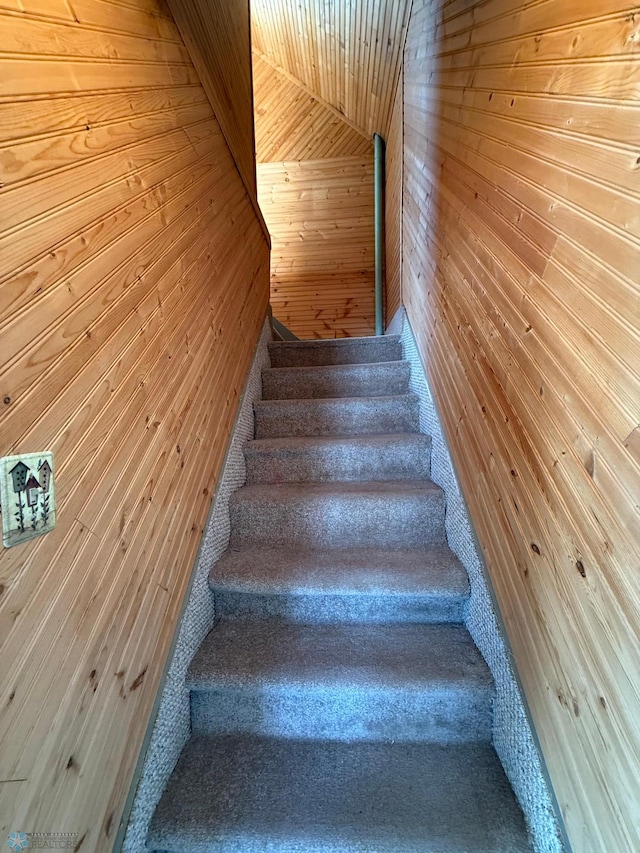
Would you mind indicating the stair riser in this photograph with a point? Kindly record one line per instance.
(372, 380)
(359, 608)
(341, 417)
(318, 353)
(339, 521)
(409, 461)
(430, 715)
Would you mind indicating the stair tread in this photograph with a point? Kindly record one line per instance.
(338, 369)
(365, 340)
(249, 794)
(305, 442)
(347, 570)
(338, 514)
(330, 458)
(332, 401)
(272, 652)
(378, 378)
(365, 489)
(335, 351)
(396, 413)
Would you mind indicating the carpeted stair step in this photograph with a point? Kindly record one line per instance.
(336, 416)
(327, 458)
(341, 682)
(375, 585)
(386, 378)
(399, 514)
(247, 794)
(335, 351)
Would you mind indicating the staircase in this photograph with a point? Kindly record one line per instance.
(339, 705)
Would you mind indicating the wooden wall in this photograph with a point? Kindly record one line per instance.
(520, 276)
(347, 54)
(218, 35)
(320, 215)
(315, 188)
(294, 124)
(133, 283)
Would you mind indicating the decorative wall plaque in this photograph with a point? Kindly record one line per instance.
(27, 496)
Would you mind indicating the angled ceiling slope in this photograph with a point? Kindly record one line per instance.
(347, 52)
(291, 124)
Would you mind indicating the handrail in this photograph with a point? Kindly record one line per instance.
(378, 160)
(281, 332)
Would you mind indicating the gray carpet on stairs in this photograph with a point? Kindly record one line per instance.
(395, 514)
(336, 351)
(342, 682)
(341, 584)
(343, 380)
(337, 416)
(339, 705)
(331, 458)
(243, 794)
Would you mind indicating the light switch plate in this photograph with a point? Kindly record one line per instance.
(27, 496)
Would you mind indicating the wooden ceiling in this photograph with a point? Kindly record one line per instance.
(346, 53)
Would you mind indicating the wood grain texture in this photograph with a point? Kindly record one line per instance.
(393, 207)
(320, 216)
(293, 124)
(315, 187)
(217, 35)
(133, 282)
(347, 54)
(521, 240)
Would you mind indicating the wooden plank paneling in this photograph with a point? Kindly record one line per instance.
(293, 124)
(315, 187)
(347, 54)
(393, 208)
(520, 277)
(217, 34)
(320, 216)
(134, 280)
